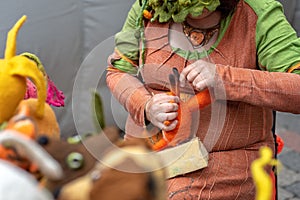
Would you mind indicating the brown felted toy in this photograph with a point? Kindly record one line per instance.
(105, 167)
(127, 171)
(132, 176)
(76, 159)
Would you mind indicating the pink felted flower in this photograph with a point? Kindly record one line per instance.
(55, 97)
(31, 90)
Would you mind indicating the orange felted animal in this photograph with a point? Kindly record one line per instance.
(26, 123)
(45, 125)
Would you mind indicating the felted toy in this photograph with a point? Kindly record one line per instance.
(31, 117)
(55, 97)
(74, 155)
(22, 122)
(46, 125)
(16, 183)
(78, 154)
(32, 151)
(14, 71)
(182, 130)
(264, 182)
(130, 171)
(26, 123)
(84, 158)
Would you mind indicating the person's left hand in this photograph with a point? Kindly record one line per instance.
(200, 75)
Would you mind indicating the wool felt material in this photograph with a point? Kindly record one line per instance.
(55, 97)
(268, 47)
(26, 123)
(251, 94)
(165, 11)
(14, 71)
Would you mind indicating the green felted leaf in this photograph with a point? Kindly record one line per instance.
(213, 5)
(196, 10)
(180, 17)
(162, 14)
(185, 2)
(177, 10)
(98, 111)
(36, 59)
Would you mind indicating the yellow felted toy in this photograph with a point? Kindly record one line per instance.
(263, 180)
(13, 73)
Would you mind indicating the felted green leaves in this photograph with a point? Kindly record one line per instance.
(177, 10)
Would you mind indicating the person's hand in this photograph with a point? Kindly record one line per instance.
(161, 108)
(200, 75)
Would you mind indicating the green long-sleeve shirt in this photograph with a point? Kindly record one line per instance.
(277, 44)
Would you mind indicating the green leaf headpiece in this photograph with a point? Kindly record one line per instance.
(177, 10)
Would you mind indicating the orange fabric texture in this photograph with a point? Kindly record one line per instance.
(251, 96)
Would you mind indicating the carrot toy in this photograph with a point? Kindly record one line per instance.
(184, 117)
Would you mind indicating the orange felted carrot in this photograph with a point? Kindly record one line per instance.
(168, 136)
(200, 100)
(184, 117)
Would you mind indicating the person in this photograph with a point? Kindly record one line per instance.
(244, 51)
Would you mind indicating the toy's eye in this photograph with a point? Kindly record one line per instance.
(75, 160)
(74, 139)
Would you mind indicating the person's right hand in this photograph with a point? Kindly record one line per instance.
(160, 108)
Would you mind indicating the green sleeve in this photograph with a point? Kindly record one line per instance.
(278, 47)
(127, 41)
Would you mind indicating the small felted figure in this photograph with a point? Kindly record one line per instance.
(33, 151)
(127, 171)
(14, 71)
(26, 123)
